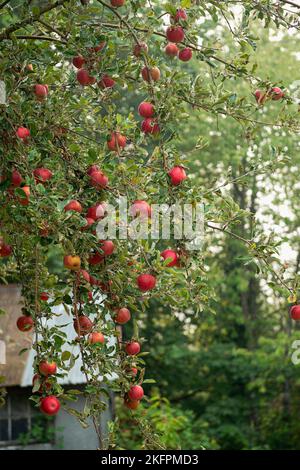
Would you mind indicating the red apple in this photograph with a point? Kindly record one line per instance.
(96, 258)
(25, 323)
(173, 257)
(175, 34)
(50, 405)
(83, 77)
(117, 3)
(140, 49)
(185, 54)
(133, 348)
(150, 126)
(16, 178)
(24, 201)
(277, 93)
(85, 275)
(83, 326)
(78, 61)
(136, 393)
(47, 368)
(295, 312)
(23, 133)
(146, 109)
(123, 316)
(133, 371)
(41, 91)
(96, 337)
(140, 208)
(99, 180)
(72, 262)
(42, 174)
(5, 250)
(146, 282)
(117, 141)
(96, 212)
(44, 296)
(89, 223)
(132, 405)
(106, 82)
(73, 206)
(180, 15)
(177, 175)
(171, 49)
(152, 73)
(108, 247)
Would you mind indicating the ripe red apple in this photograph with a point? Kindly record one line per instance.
(83, 77)
(106, 82)
(73, 206)
(177, 175)
(41, 91)
(172, 255)
(72, 262)
(146, 109)
(23, 133)
(5, 250)
(42, 174)
(78, 61)
(295, 312)
(83, 326)
(47, 368)
(123, 316)
(139, 49)
(277, 93)
(89, 223)
(44, 296)
(185, 54)
(99, 180)
(132, 348)
(132, 405)
(96, 258)
(16, 178)
(133, 371)
(96, 212)
(50, 405)
(117, 141)
(140, 208)
(171, 49)
(152, 73)
(146, 282)
(150, 126)
(175, 34)
(96, 337)
(25, 323)
(117, 3)
(108, 247)
(24, 201)
(136, 393)
(85, 275)
(180, 15)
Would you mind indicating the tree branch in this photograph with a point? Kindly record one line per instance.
(42, 38)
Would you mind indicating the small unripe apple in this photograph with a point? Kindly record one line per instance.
(41, 91)
(47, 368)
(295, 312)
(140, 208)
(152, 73)
(146, 282)
(5, 250)
(16, 178)
(23, 133)
(42, 174)
(123, 316)
(24, 201)
(175, 34)
(106, 82)
(96, 337)
(136, 392)
(139, 49)
(117, 3)
(44, 296)
(108, 247)
(50, 405)
(185, 54)
(73, 206)
(174, 259)
(146, 109)
(171, 49)
(83, 326)
(133, 348)
(150, 126)
(78, 61)
(83, 77)
(177, 175)
(72, 262)
(117, 141)
(132, 405)
(277, 93)
(99, 180)
(25, 323)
